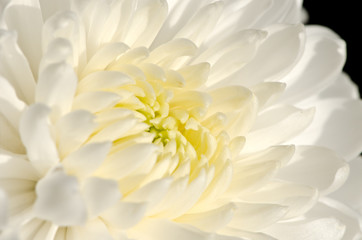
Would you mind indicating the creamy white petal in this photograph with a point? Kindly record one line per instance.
(145, 22)
(3, 210)
(103, 57)
(50, 7)
(59, 199)
(99, 195)
(95, 101)
(37, 138)
(93, 230)
(331, 208)
(350, 194)
(200, 25)
(322, 62)
(167, 53)
(255, 217)
(86, 159)
(162, 229)
(298, 198)
(73, 130)
(311, 229)
(317, 167)
(16, 167)
(210, 221)
(277, 54)
(336, 117)
(125, 214)
(103, 80)
(277, 125)
(152, 193)
(67, 25)
(56, 88)
(25, 18)
(9, 137)
(127, 160)
(268, 93)
(10, 105)
(15, 67)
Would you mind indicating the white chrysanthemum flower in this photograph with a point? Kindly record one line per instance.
(173, 120)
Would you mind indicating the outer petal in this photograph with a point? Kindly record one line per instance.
(56, 88)
(316, 167)
(25, 18)
(59, 200)
(334, 127)
(100, 194)
(36, 136)
(15, 67)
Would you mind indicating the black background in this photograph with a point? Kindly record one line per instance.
(344, 18)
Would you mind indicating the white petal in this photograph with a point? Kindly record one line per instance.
(278, 125)
(99, 195)
(162, 229)
(188, 198)
(330, 208)
(15, 167)
(152, 193)
(66, 25)
(73, 130)
(86, 159)
(36, 136)
(146, 22)
(254, 217)
(277, 54)
(334, 120)
(298, 198)
(25, 18)
(59, 51)
(210, 221)
(231, 54)
(96, 101)
(342, 87)
(202, 23)
(267, 93)
(125, 214)
(322, 62)
(50, 7)
(3, 209)
(280, 11)
(104, 56)
(59, 199)
(10, 105)
(56, 87)
(92, 230)
(9, 137)
(350, 194)
(166, 54)
(311, 229)
(127, 160)
(103, 80)
(325, 170)
(15, 67)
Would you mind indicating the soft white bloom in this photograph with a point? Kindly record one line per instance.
(173, 120)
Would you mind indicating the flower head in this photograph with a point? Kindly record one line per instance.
(169, 120)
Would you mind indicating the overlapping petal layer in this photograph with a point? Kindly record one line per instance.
(156, 119)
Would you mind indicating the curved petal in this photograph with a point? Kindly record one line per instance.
(59, 199)
(25, 18)
(325, 170)
(37, 138)
(99, 195)
(15, 67)
(335, 119)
